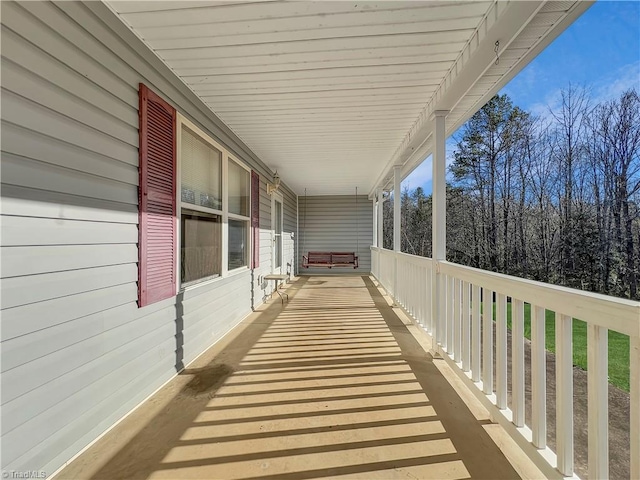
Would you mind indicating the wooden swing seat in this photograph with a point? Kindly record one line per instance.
(330, 259)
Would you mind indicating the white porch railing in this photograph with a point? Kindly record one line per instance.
(466, 341)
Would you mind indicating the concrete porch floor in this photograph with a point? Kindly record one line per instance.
(336, 383)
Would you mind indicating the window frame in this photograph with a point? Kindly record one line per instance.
(224, 212)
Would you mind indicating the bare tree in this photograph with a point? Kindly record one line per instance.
(554, 200)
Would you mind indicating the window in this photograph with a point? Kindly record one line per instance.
(214, 194)
(238, 188)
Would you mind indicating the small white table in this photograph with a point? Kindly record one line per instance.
(277, 278)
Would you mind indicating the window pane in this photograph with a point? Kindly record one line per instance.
(238, 189)
(237, 243)
(201, 242)
(201, 171)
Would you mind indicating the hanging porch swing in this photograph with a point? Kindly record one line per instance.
(329, 259)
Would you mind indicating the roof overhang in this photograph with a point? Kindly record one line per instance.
(335, 94)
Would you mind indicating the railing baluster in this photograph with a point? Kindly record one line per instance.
(427, 302)
(399, 292)
(421, 288)
(564, 394)
(538, 378)
(457, 327)
(418, 288)
(410, 289)
(598, 401)
(407, 287)
(450, 300)
(501, 351)
(436, 305)
(417, 299)
(424, 313)
(466, 328)
(432, 318)
(424, 297)
(406, 292)
(517, 361)
(634, 417)
(487, 341)
(402, 290)
(475, 334)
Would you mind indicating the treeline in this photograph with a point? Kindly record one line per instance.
(554, 199)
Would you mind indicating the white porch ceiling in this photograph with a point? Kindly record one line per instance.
(333, 94)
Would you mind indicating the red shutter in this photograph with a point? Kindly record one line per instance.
(157, 199)
(255, 219)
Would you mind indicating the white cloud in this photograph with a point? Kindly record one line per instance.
(609, 87)
(617, 83)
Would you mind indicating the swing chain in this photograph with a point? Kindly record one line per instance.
(357, 230)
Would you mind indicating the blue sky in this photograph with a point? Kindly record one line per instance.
(600, 50)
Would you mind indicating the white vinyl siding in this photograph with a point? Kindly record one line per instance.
(77, 352)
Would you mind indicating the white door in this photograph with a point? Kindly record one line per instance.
(276, 234)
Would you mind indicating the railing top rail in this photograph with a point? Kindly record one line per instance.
(617, 314)
(408, 256)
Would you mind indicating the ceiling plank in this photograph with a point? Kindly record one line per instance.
(202, 22)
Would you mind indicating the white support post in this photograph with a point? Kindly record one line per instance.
(538, 378)
(380, 236)
(501, 351)
(487, 341)
(564, 394)
(397, 203)
(517, 361)
(475, 334)
(598, 401)
(438, 231)
(375, 220)
(634, 417)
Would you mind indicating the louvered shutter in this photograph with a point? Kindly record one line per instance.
(157, 199)
(255, 219)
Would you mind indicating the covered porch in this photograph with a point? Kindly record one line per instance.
(376, 374)
(335, 383)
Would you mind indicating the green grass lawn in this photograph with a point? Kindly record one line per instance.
(618, 345)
